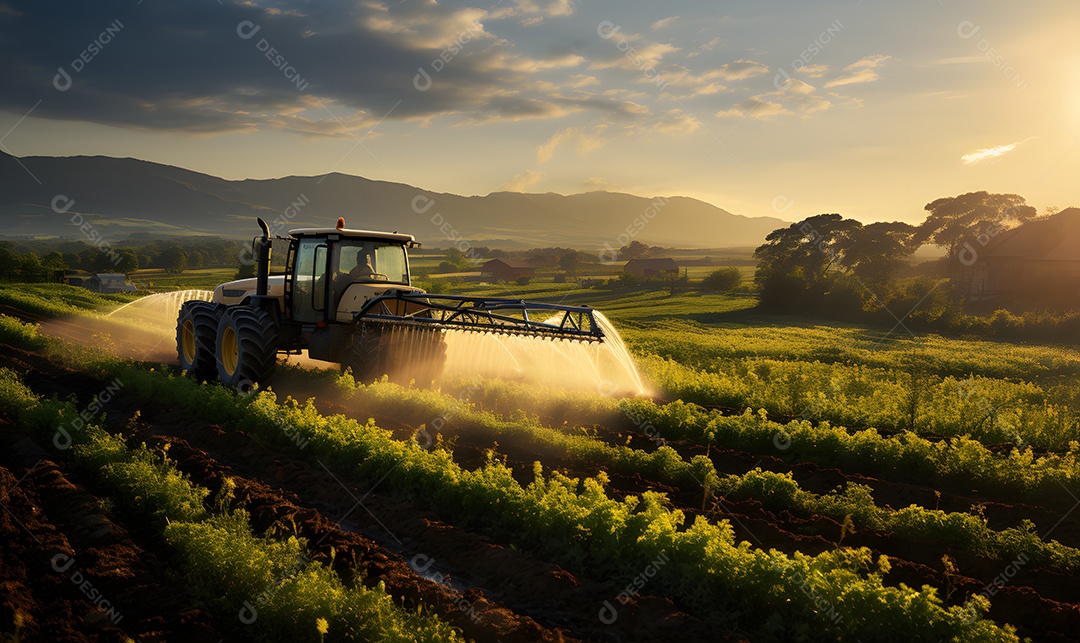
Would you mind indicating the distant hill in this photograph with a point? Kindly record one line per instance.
(128, 196)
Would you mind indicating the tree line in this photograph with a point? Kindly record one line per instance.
(48, 260)
(826, 263)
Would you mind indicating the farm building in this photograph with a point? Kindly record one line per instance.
(104, 282)
(1040, 260)
(507, 270)
(652, 267)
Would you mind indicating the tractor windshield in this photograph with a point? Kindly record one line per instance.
(368, 261)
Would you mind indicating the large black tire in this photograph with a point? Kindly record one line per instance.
(247, 343)
(403, 353)
(196, 336)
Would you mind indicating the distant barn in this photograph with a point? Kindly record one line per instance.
(105, 282)
(507, 270)
(652, 267)
(1038, 260)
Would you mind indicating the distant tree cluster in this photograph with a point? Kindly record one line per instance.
(722, 279)
(638, 250)
(827, 262)
(49, 260)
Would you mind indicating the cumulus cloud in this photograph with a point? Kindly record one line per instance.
(637, 56)
(209, 67)
(861, 71)
(546, 7)
(814, 71)
(676, 122)
(799, 99)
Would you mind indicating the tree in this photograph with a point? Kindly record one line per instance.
(127, 261)
(955, 223)
(722, 279)
(174, 258)
(30, 269)
(54, 264)
(874, 252)
(8, 263)
(634, 250)
(456, 259)
(572, 261)
(794, 262)
(964, 224)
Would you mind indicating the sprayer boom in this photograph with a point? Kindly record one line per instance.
(484, 314)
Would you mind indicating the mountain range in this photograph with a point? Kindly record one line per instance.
(119, 197)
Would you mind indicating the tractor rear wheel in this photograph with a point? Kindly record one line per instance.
(247, 343)
(196, 336)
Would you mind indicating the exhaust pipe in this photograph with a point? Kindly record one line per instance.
(262, 265)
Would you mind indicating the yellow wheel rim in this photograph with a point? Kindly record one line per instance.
(187, 341)
(230, 352)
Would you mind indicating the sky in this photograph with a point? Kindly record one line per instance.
(774, 108)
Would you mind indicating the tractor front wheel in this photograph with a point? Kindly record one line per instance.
(196, 336)
(247, 343)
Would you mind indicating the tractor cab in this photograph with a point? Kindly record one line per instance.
(332, 272)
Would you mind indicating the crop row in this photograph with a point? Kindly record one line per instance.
(272, 585)
(968, 531)
(774, 594)
(777, 491)
(961, 460)
(994, 411)
(700, 346)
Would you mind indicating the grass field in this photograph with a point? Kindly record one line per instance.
(786, 479)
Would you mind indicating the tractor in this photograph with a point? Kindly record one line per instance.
(346, 296)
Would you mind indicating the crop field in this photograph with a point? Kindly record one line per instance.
(777, 480)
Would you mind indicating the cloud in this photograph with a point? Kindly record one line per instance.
(420, 24)
(800, 98)
(546, 7)
(814, 71)
(988, 153)
(594, 183)
(297, 67)
(676, 122)
(709, 82)
(522, 182)
(663, 23)
(584, 141)
(636, 57)
(861, 71)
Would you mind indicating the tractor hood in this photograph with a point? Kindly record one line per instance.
(234, 292)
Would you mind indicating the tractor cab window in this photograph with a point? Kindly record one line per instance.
(309, 281)
(370, 261)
